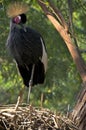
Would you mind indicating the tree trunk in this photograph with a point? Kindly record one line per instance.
(79, 112)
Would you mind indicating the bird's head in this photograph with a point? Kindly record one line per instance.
(16, 11)
(19, 19)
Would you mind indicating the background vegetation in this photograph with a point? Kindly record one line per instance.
(62, 82)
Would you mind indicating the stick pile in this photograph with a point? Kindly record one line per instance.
(31, 118)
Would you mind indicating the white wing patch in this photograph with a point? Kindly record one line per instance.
(44, 56)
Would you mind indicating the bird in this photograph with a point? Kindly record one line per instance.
(26, 46)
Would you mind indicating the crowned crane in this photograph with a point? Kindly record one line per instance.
(26, 46)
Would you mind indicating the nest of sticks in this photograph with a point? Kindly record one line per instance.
(27, 117)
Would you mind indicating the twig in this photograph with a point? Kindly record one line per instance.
(5, 125)
(17, 104)
(55, 122)
(42, 96)
(19, 100)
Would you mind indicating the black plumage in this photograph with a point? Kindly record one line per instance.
(27, 48)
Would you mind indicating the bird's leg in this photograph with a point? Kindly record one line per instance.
(19, 100)
(30, 83)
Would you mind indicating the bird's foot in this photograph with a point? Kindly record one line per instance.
(30, 84)
(29, 91)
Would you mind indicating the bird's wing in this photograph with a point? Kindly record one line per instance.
(35, 42)
(31, 45)
(44, 54)
(38, 74)
(25, 72)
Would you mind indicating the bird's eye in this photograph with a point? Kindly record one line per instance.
(17, 19)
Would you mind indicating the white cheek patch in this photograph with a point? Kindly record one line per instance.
(44, 56)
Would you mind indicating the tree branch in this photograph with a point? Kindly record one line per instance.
(74, 51)
(71, 21)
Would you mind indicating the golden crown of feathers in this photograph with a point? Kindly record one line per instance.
(16, 8)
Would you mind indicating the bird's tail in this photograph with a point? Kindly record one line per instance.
(39, 73)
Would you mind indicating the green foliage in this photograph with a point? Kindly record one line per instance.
(62, 80)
